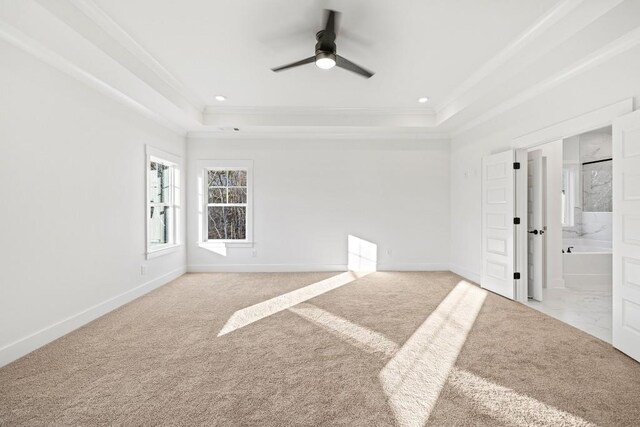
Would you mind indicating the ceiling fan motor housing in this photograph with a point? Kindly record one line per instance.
(326, 45)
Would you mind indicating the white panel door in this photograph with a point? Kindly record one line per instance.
(626, 234)
(535, 232)
(497, 224)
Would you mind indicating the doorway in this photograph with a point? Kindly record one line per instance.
(570, 230)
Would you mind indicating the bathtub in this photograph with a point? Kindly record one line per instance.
(589, 265)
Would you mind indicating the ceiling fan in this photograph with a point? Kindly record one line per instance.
(326, 56)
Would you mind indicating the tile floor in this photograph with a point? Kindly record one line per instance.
(589, 311)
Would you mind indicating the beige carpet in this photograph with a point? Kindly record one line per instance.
(367, 353)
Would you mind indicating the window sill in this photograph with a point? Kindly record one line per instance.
(225, 244)
(155, 253)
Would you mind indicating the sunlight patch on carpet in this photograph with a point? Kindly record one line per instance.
(414, 377)
(363, 338)
(259, 311)
(509, 406)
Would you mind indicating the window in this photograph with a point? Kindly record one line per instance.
(227, 202)
(227, 205)
(163, 198)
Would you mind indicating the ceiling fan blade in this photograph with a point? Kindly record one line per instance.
(331, 21)
(348, 65)
(295, 64)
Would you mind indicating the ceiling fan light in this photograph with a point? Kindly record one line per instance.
(325, 61)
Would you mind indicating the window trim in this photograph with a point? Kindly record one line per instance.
(206, 165)
(175, 163)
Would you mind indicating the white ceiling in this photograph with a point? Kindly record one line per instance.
(416, 47)
(475, 59)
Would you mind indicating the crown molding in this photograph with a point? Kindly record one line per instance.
(48, 56)
(611, 50)
(319, 133)
(499, 68)
(100, 18)
(92, 24)
(540, 26)
(427, 111)
(318, 117)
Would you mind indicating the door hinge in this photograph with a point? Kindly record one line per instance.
(516, 276)
(516, 165)
(516, 221)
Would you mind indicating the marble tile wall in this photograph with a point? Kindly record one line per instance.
(595, 146)
(597, 179)
(592, 215)
(590, 225)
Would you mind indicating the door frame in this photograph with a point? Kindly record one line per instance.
(592, 120)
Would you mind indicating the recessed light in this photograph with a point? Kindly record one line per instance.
(220, 98)
(423, 100)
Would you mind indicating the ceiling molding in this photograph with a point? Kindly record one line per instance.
(556, 13)
(212, 109)
(318, 117)
(48, 56)
(499, 67)
(320, 133)
(611, 50)
(117, 33)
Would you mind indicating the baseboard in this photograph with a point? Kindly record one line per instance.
(26, 345)
(418, 266)
(467, 274)
(263, 268)
(289, 268)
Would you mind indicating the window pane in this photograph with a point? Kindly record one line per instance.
(159, 183)
(217, 195)
(217, 178)
(237, 195)
(237, 178)
(227, 222)
(159, 219)
(236, 222)
(166, 184)
(216, 229)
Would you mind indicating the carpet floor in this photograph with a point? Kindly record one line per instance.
(389, 348)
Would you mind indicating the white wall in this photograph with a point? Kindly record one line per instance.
(311, 194)
(606, 84)
(73, 204)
